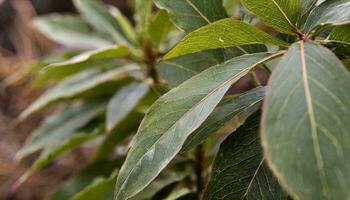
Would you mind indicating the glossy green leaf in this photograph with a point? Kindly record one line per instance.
(159, 28)
(173, 117)
(221, 34)
(224, 113)
(340, 34)
(164, 179)
(69, 30)
(98, 54)
(85, 177)
(330, 12)
(189, 15)
(306, 130)
(57, 148)
(239, 170)
(280, 14)
(123, 102)
(101, 189)
(60, 126)
(76, 85)
(100, 18)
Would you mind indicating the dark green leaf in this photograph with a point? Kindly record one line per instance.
(221, 34)
(306, 6)
(280, 14)
(123, 102)
(102, 20)
(330, 12)
(177, 70)
(224, 113)
(70, 31)
(173, 117)
(305, 130)
(239, 170)
(76, 85)
(60, 126)
(189, 15)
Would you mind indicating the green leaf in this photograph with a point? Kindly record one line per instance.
(221, 34)
(101, 189)
(57, 148)
(173, 117)
(103, 21)
(164, 179)
(178, 192)
(159, 28)
(143, 11)
(77, 85)
(98, 54)
(177, 70)
(124, 23)
(189, 15)
(340, 34)
(282, 15)
(239, 170)
(224, 113)
(306, 6)
(305, 130)
(85, 177)
(123, 102)
(330, 12)
(230, 6)
(60, 126)
(69, 30)
(121, 131)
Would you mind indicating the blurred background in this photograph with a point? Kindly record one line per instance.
(20, 46)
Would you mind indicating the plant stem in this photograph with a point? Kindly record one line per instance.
(198, 167)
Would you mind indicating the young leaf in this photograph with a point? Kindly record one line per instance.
(280, 14)
(340, 34)
(173, 117)
(239, 170)
(100, 18)
(60, 126)
(98, 54)
(189, 15)
(76, 85)
(223, 113)
(69, 30)
(143, 11)
(330, 12)
(123, 102)
(159, 28)
(305, 130)
(221, 34)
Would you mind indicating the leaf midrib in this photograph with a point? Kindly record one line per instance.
(312, 119)
(198, 11)
(284, 14)
(189, 111)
